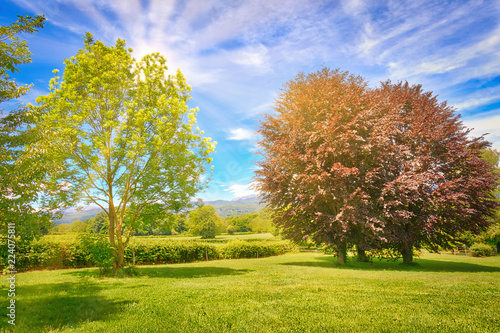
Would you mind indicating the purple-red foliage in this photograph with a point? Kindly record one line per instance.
(385, 167)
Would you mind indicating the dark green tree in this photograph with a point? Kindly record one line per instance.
(19, 181)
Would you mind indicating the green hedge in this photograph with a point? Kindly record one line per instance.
(86, 251)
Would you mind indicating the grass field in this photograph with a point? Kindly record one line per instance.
(303, 292)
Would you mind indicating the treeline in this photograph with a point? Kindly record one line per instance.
(203, 221)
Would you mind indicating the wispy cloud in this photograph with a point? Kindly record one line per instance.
(486, 125)
(241, 190)
(241, 134)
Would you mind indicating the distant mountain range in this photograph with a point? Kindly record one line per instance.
(236, 207)
(71, 215)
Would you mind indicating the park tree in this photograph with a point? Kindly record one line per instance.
(380, 168)
(316, 160)
(122, 136)
(20, 182)
(435, 184)
(204, 221)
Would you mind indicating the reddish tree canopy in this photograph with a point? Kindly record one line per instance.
(315, 159)
(391, 166)
(435, 184)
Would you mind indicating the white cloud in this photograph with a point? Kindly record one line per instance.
(475, 102)
(241, 134)
(490, 125)
(239, 190)
(254, 56)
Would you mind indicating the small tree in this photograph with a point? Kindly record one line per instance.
(122, 135)
(203, 221)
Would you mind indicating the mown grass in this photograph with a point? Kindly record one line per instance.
(303, 292)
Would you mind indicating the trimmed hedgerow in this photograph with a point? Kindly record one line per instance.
(94, 250)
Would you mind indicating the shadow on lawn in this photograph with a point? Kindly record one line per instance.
(189, 272)
(421, 265)
(47, 307)
(166, 271)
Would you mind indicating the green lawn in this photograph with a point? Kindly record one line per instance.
(302, 292)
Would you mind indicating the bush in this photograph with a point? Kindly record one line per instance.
(481, 250)
(98, 250)
(389, 254)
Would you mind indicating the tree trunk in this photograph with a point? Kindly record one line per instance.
(361, 254)
(407, 253)
(341, 253)
(119, 261)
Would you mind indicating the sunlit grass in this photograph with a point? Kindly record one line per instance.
(304, 292)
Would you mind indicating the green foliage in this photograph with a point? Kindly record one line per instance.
(19, 179)
(242, 223)
(121, 136)
(98, 249)
(94, 250)
(99, 224)
(14, 52)
(231, 229)
(481, 250)
(203, 221)
(389, 254)
(242, 249)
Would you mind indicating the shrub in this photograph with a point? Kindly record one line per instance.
(389, 254)
(481, 250)
(97, 250)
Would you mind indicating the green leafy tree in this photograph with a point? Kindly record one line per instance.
(203, 221)
(14, 52)
(153, 220)
(123, 136)
(79, 226)
(242, 223)
(264, 222)
(99, 224)
(19, 180)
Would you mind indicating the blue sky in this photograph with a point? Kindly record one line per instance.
(237, 54)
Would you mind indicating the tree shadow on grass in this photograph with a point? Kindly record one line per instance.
(47, 307)
(166, 271)
(421, 265)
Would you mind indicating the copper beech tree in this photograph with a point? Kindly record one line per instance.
(435, 183)
(389, 167)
